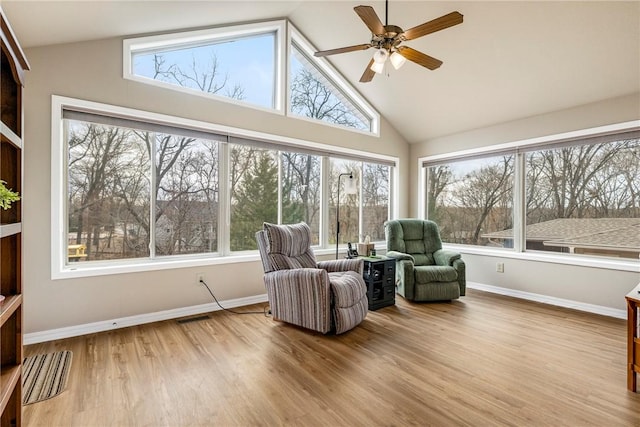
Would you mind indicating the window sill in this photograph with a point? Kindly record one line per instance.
(566, 259)
(142, 265)
(137, 266)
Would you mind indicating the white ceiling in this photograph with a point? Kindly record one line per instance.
(508, 60)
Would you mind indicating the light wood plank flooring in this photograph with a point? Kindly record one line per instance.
(484, 360)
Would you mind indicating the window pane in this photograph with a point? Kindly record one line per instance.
(471, 201)
(301, 191)
(254, 193)
(585, 199)
(375, 200)
(348, 203)
(186, 211)
(108, 192)
(242, 68)
(314, 96)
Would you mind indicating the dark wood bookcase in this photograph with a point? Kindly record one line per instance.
(13, 65)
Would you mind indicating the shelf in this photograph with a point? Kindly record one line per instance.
(7, 230)
(10, 304)
(11, 173)
(13, 66)
(10, 135)
(9, 378)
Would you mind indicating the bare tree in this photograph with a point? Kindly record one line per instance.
(577, 181)
(375, 199)
(301, 188)
(98, 157)
(439, 177)
(202, 76)
(476, 202)
(310, 97)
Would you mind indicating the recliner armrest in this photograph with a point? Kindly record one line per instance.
(399, 256)
(300, 296)
(445, 257)
(336, 265)
(284, 278)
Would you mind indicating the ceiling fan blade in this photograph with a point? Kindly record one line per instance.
(368, 74)
(446, 21)
(419, 57)
(342, 50)
(370, 18)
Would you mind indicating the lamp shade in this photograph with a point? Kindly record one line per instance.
(350, 186)
(397, 60)
(380, 56)
(377, 67)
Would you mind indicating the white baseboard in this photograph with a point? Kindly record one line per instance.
(582, 306)
(106, 325)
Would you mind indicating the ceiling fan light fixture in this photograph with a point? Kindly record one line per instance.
(380, 56)
(397, 60)
(378, 67)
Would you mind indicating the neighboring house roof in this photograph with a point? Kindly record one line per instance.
(604, 233)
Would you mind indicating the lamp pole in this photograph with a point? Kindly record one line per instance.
(350, 175)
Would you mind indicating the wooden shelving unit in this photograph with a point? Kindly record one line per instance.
(13, 65)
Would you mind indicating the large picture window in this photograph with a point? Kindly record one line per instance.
(376, 190)
(301, 181)
(254, 194)
(585, 199)
(140, 187)
(120, 204)
(108, 193)
(470, 199)
(579, 195)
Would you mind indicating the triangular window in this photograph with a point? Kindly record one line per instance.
(239, 63)
(318, 92)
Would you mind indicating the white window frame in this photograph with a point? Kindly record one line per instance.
(186, 38)
(286, 34)
(59, 218)
(518, 252)
(336, 78)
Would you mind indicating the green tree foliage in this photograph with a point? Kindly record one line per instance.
(256, 201)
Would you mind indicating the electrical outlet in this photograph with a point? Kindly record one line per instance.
(500, 267)
(199, 278)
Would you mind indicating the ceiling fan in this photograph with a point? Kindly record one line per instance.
(386, 39)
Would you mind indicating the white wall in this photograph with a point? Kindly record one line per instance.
(93, 71)
(588, 285)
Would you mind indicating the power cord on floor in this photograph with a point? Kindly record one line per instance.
(266, 310)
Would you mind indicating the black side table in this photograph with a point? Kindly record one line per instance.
(380, 276)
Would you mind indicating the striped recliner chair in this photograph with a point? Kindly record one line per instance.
(323, 296)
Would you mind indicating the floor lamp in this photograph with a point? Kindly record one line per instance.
(350, 188)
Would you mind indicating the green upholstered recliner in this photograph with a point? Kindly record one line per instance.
(424, 271)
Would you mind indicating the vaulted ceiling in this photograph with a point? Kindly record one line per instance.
(507, 61)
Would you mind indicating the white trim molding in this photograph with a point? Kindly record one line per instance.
(546, 299)
(193, 38)
(140, 319)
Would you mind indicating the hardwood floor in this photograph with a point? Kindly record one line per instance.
(484, 360)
